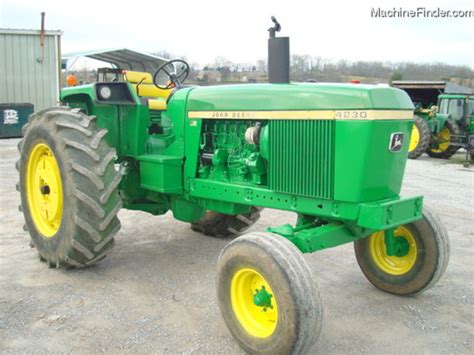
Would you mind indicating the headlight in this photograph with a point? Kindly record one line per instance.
(105, 92)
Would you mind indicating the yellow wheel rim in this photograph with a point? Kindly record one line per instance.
(258, 321)
(44, 190)
(414, 138)
(444, 136)
(393, 265)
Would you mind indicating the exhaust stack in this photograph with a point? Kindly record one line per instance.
(278, 56)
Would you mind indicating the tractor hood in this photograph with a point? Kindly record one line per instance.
(297, 97)
(319, 134)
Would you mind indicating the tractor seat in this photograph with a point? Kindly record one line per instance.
(156, 97)
(157, 104)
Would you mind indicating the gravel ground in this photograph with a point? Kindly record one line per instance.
(155, 292)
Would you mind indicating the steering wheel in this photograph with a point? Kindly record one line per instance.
(176, 72)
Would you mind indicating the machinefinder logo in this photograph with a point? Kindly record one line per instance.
(419, 12)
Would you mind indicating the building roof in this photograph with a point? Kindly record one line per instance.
(121, 58)
(445, 87)
(14, 31)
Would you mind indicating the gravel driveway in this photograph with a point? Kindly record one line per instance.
(155, 292)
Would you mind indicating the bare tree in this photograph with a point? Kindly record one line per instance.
(262, 65)
(163, 54)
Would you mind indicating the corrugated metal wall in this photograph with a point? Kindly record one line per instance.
(24, 78)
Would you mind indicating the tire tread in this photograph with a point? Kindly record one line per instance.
(91, 170)
(424, 141)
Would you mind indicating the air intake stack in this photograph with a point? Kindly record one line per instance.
(278, 56)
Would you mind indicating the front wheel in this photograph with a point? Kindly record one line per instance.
(267, 295)
(441, 146)
(421, 262)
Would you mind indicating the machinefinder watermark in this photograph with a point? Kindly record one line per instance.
(419, 12)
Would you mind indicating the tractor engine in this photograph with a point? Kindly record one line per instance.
(230, 151)
(327, 141)
(241, 151)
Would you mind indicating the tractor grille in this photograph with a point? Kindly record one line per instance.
(301, 157)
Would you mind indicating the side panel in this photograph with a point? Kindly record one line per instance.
(126, 122)
(365, 168)
(163, 172)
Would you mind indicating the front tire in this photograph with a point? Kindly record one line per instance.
(267, 295)
(421, 266)
(68, 187)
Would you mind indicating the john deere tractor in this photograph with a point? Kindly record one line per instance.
(334, 154)
(459, 129)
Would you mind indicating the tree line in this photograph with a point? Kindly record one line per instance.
(314, 68)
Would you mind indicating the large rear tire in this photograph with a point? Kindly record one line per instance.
(69, 188)
(219, 225)
(418, 268)
(267, 295)
(440, 145)
(419, 138)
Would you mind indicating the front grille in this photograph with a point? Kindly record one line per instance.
(301, 157)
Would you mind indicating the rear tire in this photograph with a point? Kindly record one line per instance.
(290, 321)
(440, 146)
(423, 265)
(83, 194)
(419, 138)
(219, 225)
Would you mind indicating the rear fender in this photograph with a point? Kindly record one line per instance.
(440, 120)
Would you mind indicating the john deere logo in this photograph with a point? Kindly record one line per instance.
(396, 142)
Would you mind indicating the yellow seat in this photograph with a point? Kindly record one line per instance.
(137, 76)
(147, 88)
(157, 104)
(150, 90)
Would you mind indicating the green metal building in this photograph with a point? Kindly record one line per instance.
(30, 68)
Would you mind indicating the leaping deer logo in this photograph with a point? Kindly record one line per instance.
(396, 142)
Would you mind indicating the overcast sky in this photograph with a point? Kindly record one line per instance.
(203, 29)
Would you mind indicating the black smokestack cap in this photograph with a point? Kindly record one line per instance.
(278, 56)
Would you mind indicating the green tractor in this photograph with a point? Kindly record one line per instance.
(444, 118)
(334, 154)
(459, 129)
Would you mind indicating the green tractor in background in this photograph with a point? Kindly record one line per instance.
(334, 154)
(444, 118)
(460, 110)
